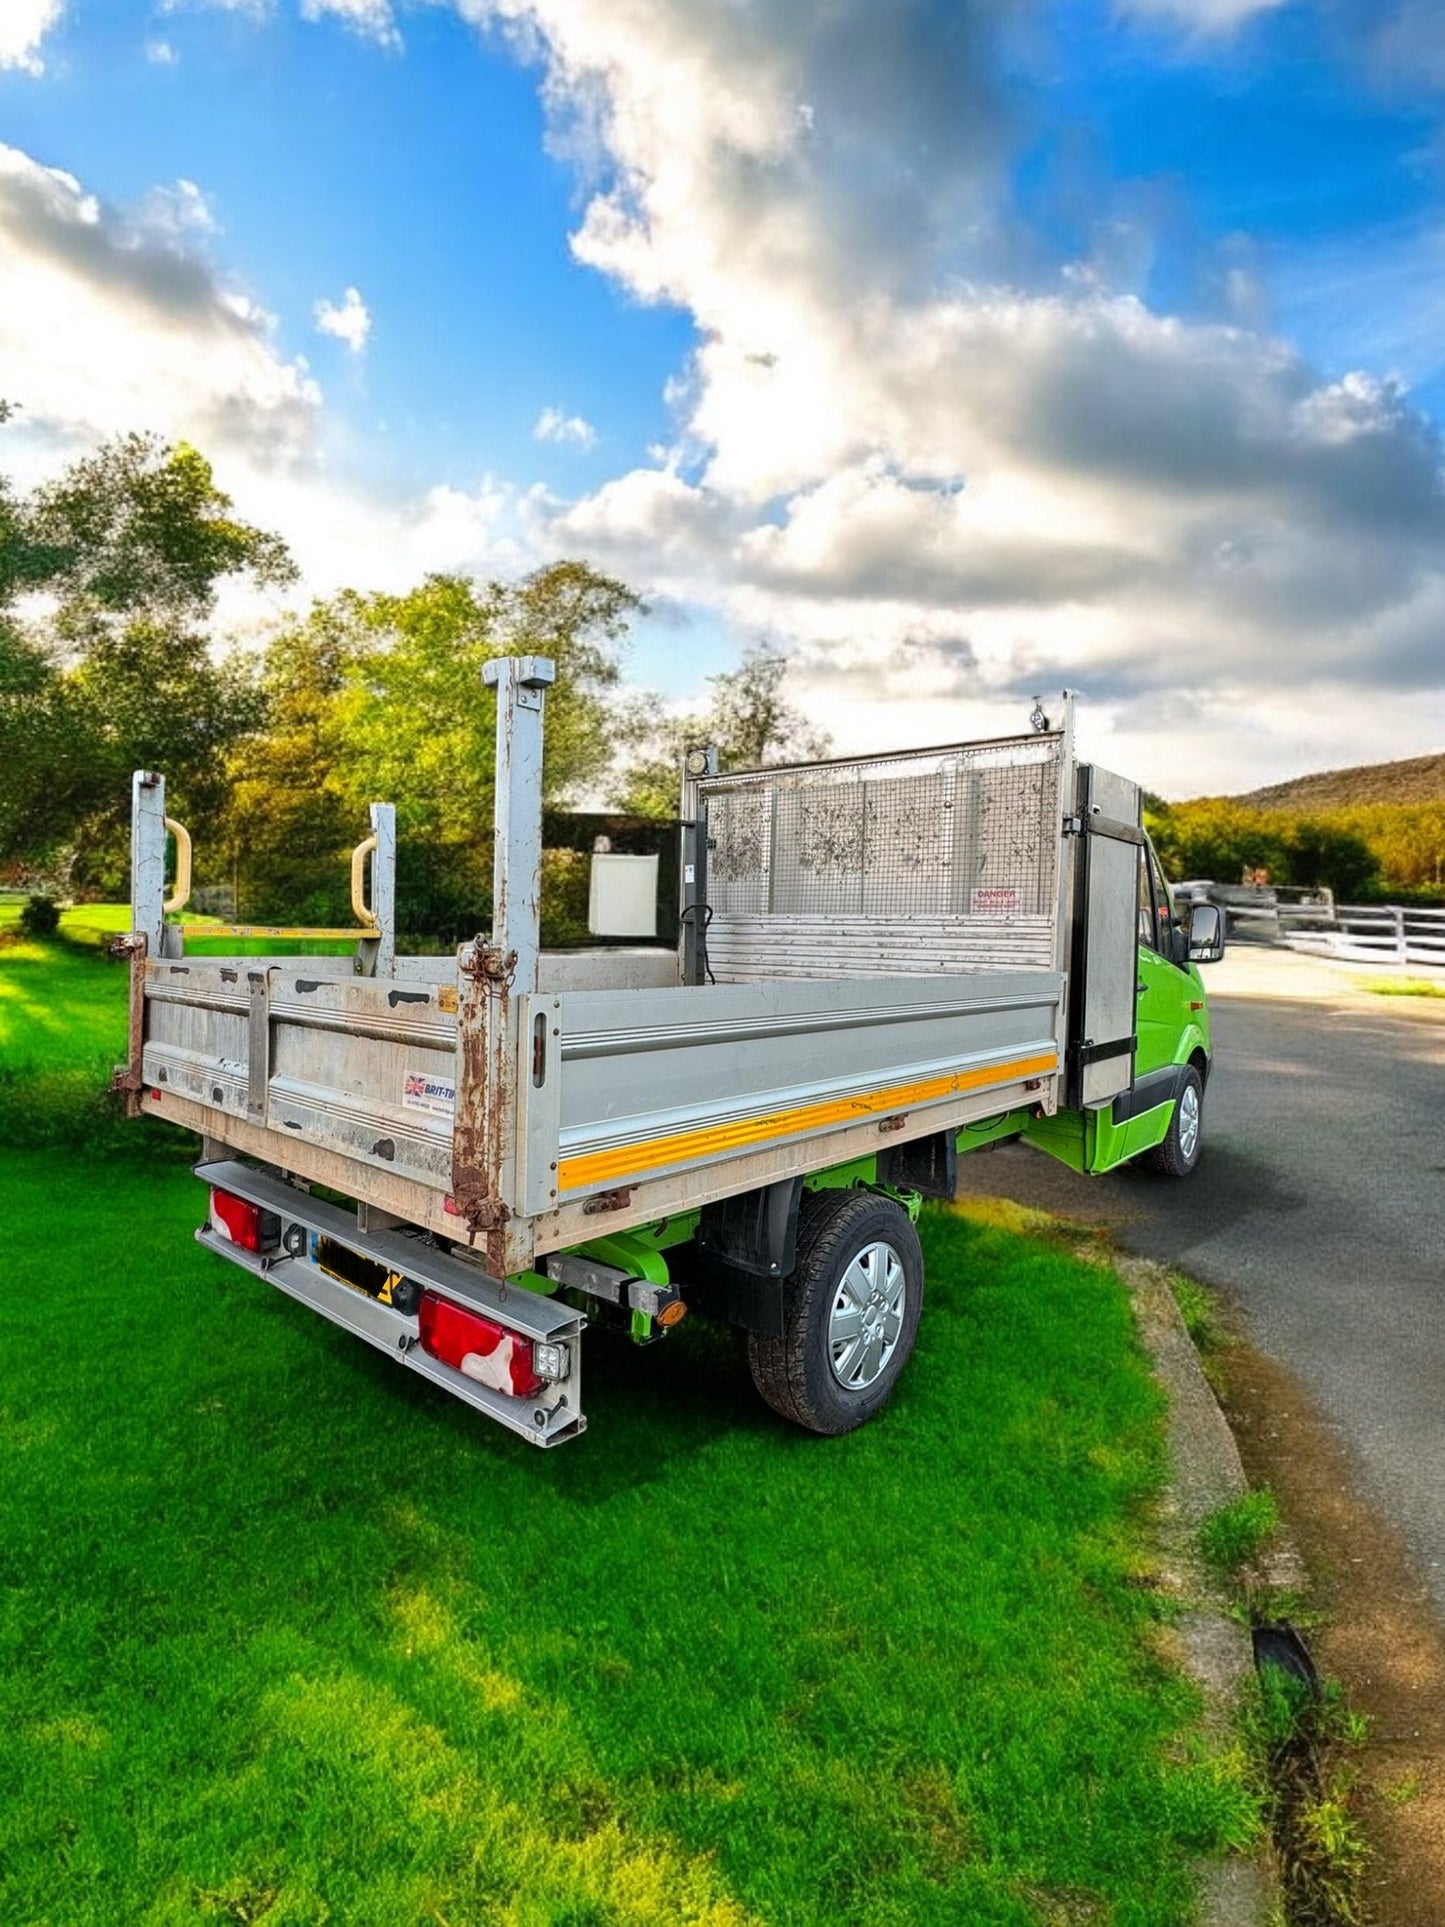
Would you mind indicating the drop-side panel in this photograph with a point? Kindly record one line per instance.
(652, 1082)
(363, 1067)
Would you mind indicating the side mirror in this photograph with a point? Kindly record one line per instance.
(1206, 933)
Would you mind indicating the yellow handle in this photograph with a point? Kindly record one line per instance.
(358, 883)
(183, 868)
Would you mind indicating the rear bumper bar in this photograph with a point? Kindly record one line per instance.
(550, 1418)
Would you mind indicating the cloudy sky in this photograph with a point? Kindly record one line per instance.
(964, 349)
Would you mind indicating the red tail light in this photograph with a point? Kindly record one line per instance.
(245, 1224)
(477, 1347)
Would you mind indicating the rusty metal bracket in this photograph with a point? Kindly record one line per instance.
(617, 1200)
(485, 964)
(487, 1214)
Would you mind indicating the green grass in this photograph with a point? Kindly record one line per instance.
(1235, 1534)
(288, 1636)
(62, 1030)
(1198, 1310)
(1406, 987)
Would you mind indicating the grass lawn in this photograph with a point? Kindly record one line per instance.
(288, 1636)
(1406, 987)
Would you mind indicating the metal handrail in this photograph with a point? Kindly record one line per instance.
(182, 893)
(365, 916)
(359, 905)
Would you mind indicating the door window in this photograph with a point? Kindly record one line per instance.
(1148, 910)
(1156, 906)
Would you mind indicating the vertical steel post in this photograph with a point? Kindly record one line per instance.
(520, 682)
(1068, 883)
(147, 918)
(492, 977)
(148, 857)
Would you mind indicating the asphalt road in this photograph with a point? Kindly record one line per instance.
(1318, 1208)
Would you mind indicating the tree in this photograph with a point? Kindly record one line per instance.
(1214, 837)
(292, 811)
(749, 719)
(381, 697)
(1321, 852)
(139, 528)
(116, 671)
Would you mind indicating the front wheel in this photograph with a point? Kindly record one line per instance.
(850, 1313)
(1177, 1156)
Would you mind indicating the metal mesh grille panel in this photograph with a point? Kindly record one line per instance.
(920, 863)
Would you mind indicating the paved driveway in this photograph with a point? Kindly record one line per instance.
(1318, 1208)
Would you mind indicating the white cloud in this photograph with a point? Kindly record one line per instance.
(937, 469)
(160, 53)
(23, 27)
(554, 425)
(112, 321)
(178, 213)
(1198, 19)
(941, 471)
(373, 19)
(349, 322)
(115, 321)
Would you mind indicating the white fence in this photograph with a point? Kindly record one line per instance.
(1377, 933)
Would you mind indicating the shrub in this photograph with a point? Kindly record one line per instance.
(40, 917)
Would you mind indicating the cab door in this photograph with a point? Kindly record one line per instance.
(1163, 987)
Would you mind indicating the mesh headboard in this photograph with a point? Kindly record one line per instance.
(936, 860)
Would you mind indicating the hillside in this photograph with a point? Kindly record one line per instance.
(1419, 779)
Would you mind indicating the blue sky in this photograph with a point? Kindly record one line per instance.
(956, 348)
(422, 177)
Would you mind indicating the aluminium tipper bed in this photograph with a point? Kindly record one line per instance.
(878, 948)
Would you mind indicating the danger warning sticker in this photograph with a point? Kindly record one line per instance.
(1000, 901)
(422, 1092)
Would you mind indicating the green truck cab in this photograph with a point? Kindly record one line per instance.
(1159, 1119)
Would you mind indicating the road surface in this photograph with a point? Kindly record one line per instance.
(1318, 1209)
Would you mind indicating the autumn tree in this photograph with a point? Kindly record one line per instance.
(1218, 838)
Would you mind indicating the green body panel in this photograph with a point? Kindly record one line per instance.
(533, 1281)
(1090, 1141)
(632, 1252)
(1067, 1136)
(992, 1130)
(1172, 1027)
(843, 1177)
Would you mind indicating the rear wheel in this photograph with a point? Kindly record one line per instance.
(850, 1316)
(1177, 1156)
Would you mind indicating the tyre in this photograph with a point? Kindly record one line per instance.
(850, 1313)
(1177, 1156)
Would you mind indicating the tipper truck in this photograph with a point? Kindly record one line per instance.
(885, 962)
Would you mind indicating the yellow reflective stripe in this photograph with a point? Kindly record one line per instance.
(198, 930)
(633, 1160)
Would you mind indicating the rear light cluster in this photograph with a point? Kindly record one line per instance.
(242, 1223)
(483, 1350)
